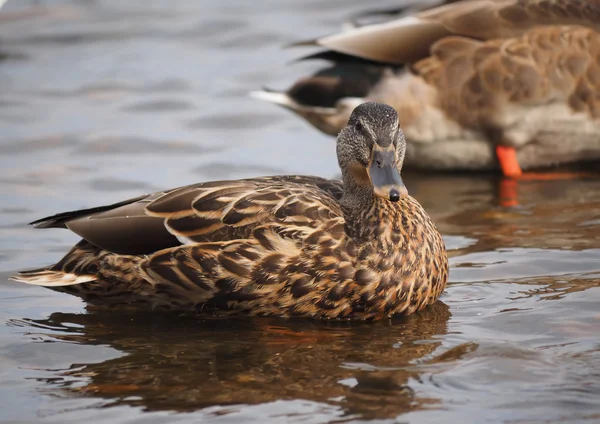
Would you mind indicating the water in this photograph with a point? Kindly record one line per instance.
(100, 102)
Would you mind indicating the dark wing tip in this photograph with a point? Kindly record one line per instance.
(339, 58)
(54, 221)
(302, 43)
(60, 219)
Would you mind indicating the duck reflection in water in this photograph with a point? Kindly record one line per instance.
(185, 364)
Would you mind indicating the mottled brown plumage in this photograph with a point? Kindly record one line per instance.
(286, 245)
(522, 73)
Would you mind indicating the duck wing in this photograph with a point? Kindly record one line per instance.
(205, 212)
(409, 38)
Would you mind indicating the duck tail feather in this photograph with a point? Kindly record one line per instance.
(48, 277)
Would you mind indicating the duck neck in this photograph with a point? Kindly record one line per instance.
(369, 218)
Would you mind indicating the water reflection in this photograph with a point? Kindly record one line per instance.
(553, 288)
(552, 214)
(185, 364)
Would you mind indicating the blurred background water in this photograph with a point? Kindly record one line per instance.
(105, 100)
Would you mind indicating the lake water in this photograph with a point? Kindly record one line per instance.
(101, 101)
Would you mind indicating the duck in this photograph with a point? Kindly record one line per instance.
(289, 246)
(479, 85)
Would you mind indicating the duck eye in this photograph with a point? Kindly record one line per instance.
(358, 126)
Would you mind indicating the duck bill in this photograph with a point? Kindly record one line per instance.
(385, 177)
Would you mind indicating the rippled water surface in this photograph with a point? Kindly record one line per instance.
(101, 101)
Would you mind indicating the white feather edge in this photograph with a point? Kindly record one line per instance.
(52, 278)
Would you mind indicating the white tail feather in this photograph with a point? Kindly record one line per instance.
(275, 97)
(48, 278)
(283, 99)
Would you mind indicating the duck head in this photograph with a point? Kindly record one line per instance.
(371, 149)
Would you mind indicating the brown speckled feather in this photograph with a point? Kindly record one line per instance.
(478, 82)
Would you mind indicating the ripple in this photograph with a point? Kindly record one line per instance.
(115, 184)
(6, 55)
(138, 146)
(230, 171)
(42, 143)
(217, 27)
(233, 122)
(15, 210)
(458, 242)
(106, 89)
(519, 263)
(160, 106)
(254, 40)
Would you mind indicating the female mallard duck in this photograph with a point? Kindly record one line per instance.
(287, 245)
(492, 82)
